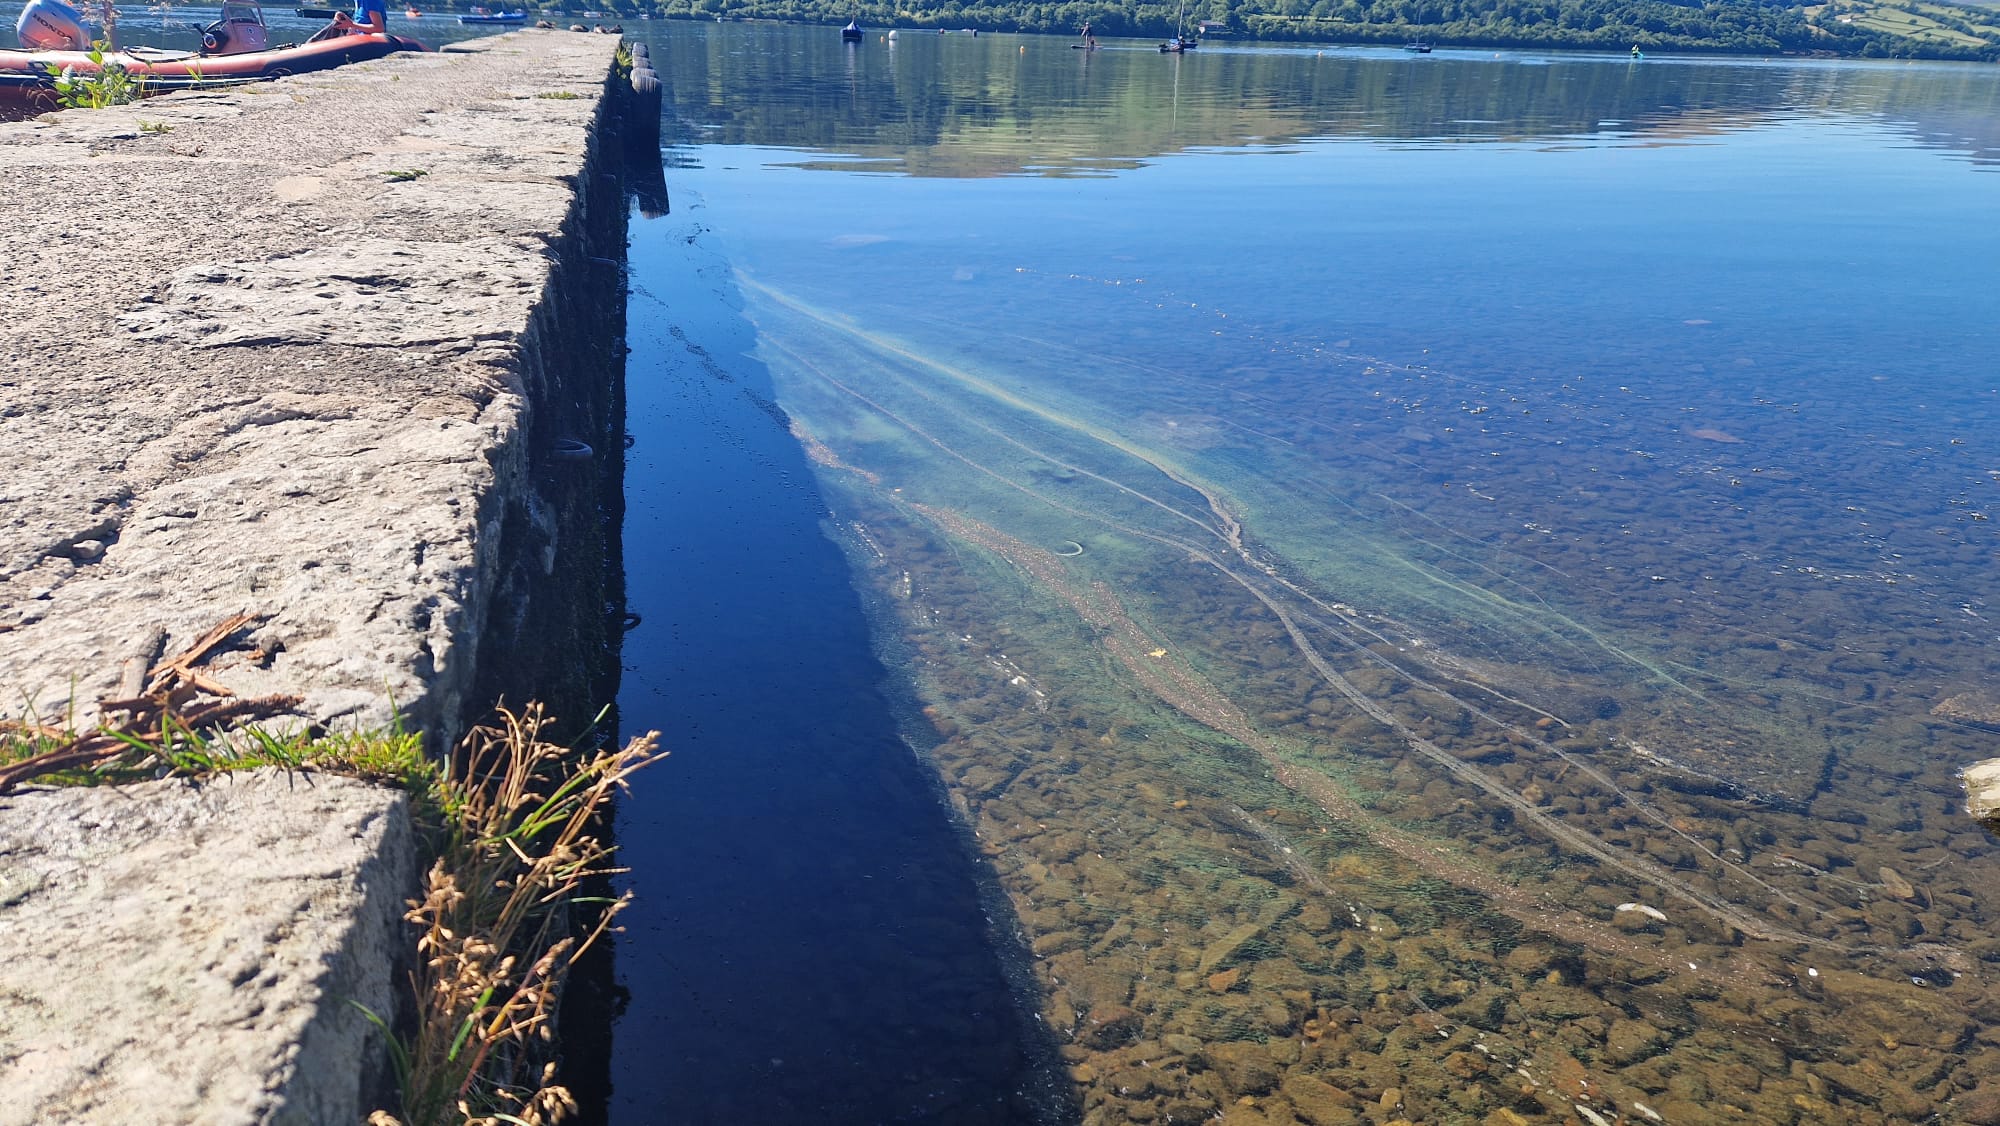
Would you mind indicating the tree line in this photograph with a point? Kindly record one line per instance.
(1722, 26)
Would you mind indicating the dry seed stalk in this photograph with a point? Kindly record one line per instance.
(179, 702)
(518, 845)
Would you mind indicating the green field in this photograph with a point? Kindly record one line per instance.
(1922, 23)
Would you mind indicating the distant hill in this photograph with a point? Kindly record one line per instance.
(1854, 28)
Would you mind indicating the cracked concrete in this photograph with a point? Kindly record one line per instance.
(186, 953)
(247, 369)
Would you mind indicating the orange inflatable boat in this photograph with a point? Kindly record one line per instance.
(235, 49)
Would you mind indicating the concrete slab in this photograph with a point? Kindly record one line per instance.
(296, 350)
(265, 352)
(185, 954)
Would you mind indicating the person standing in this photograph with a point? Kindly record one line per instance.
(371, 17)
(1089, 40)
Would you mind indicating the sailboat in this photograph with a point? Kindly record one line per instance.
(1181, 41)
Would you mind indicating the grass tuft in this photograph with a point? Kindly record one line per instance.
(511, 821)
(516, 844)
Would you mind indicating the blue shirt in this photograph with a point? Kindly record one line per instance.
(363, 7)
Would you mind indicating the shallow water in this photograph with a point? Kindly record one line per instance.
(809, 943)
(1447, 588)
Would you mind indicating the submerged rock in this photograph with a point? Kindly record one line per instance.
(1237, 941)
(1110, 1026)
(1970, 707)
(1895, 885)
(1980, 1107)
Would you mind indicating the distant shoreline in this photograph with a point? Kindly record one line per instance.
(1738, 31)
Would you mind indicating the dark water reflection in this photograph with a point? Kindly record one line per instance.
(809, 944)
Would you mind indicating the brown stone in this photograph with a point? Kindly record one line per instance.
(1530, 960)
(1894, 883)
(1466, 1065)
(1047, 944)
(1246, 1067)
(1104, 981)
(1177, 1112)
(1245, 1114)
(945, 725)
(1142, 1083)
(1225, 981)
(1228, 946)
(1630, 1041)
(1974, 707)
(1315, 918)
(1109, 1026)
(1321, 1104)
(1980, 1107)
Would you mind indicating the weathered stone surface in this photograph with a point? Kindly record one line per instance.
(247, 369)
(433, 294)
(182, 953)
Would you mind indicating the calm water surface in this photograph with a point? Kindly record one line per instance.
(1443, 589)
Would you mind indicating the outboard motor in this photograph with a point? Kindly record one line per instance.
(240, 31)
(51, 25)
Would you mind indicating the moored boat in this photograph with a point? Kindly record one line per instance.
(851, 33)
(1182, 42)
(478, 16)
(235, 49)
(1419, 47)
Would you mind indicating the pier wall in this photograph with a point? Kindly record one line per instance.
(342, 352)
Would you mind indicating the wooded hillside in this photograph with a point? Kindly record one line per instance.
(1905, 29)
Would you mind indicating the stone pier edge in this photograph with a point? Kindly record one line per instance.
(535, 622)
